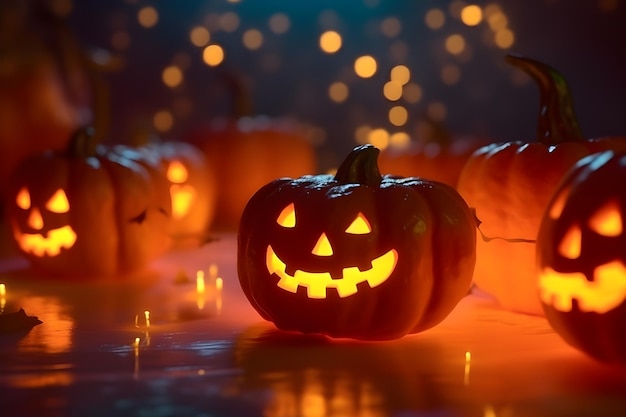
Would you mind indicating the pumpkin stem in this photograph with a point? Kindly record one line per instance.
(360, 167)
(557, 120)
(242, 102)
(83, 143)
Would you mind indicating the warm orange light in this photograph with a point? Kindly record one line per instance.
(365, 66)
(398, 115)
(287, 217)
(571, 243)
(359, 226)
(148, 16)
(400, 74)
(35, 221)
(317, 283)
(252, 39)
(323, 246)
(279, 23)
(607, 221)
(58, 203)
(330, 42)
(200, 284)
(213, 55)
(199, 36)
(338, 92)
(557, 206)
(38, 245)
(379, 138)
(392, 90)
(455, 44)
(172, 76)
(435, 18)
(182, 197)
(177, 172)
(471, 15)
(23, 199)
(606, 292)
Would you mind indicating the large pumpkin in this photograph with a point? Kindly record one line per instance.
(356, 254)
(581, 257)
(248, 151)
(509, 185)
(88, 212)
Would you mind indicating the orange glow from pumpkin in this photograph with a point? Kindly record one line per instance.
(58, 202)
(35, 220)
(38, 245)
(323, 246)
(606, 292)
(23, 199)
(570, 245)
(287, 217)
(359, 226)
(607, 221)
(182, 197)
(176, 172)
(557, 206)
(317, 283)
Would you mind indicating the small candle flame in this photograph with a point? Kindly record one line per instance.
(219, 283)
(200, 285)
(3, 290)
(147, 315)
(3, 299)
(466, 373)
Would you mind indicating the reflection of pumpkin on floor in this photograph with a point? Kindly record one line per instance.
(314, 376)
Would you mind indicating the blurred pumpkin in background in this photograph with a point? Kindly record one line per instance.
(46, 82)
(435, 154)
(248, 151)
(509, 186)
(88, 211)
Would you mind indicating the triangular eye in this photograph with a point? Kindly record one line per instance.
(359, 226)
(23, 199)
(58, 202)
(287, 217)
(607, 221)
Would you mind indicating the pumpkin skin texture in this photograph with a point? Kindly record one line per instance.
(310, 224)
(510, 184)
(581, 257)
(435, 154)
(117, 214)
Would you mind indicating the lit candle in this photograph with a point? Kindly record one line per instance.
(200, 285)
(136, 350)
(466, 373)
(3, 297)
(219, 284)
(147, 315)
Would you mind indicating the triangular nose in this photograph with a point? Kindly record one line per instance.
(35, 220)
(323, 246)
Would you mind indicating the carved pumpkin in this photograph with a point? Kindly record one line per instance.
(435, 154)
(249, 151)
(88, 212)
(509, 185)
(356, 255)
(191, 184)
(581, 257)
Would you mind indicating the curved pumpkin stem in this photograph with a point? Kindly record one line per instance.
(557, 120)
(242, 102)
(360, 167)
(83, 143)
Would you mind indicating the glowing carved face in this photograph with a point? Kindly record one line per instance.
(182, 195)
(607, 289)
(317, 283)
(50, 243)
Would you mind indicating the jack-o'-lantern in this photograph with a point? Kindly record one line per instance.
(357, 254)
(191, 184)
(581, 257)
(247, 151)
(87, 212)
(510, 184)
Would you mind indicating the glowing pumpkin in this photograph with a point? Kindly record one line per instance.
(244, 143)
(356, 254)
(581, 257)
(88, 211)
(510, 184)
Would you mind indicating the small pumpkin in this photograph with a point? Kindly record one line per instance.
(247, 151)
(435, 154)
(581, 257)
(357, 254)
(88, 211)
(510, 184)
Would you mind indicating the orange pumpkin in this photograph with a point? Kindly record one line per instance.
(247, 152)
(89, 211)
(510, 184)
(435, 155)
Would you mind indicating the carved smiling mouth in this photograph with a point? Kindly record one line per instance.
(317, 283)
(38, 245)
(603, 294)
